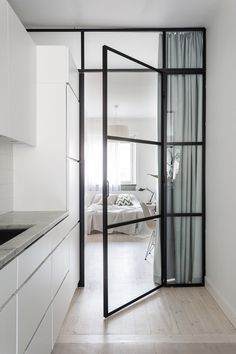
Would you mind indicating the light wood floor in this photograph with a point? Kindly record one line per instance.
(172, 320)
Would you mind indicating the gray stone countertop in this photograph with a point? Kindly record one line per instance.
(37, 222)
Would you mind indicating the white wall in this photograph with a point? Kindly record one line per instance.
(6, 176)
(221, 162)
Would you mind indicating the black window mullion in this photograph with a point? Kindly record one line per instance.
(133, 140)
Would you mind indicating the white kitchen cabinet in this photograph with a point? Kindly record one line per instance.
(72, 124)
(74, 238)
(42, 341)
(33, 300)
(73, 189)
(33, 256)
(8, 279)
(60, 231)
(8, 328)
(60, 265)
(47, 178)
(48, 273)
(46, 165)
(22, 81)
(4, 65)
(18, 78)
(56, 65)
(60, 307)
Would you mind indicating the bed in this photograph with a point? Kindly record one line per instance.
(116, 214)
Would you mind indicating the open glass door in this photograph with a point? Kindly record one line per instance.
(132, 153)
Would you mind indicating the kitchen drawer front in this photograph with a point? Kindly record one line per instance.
(60, 307)
(60, 265)
(60, 231)
(33, 299)
(74, 257)
(42, 340)
(33, 256)
(8, 281)
(8, 328)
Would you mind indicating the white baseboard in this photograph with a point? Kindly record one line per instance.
(224, 305)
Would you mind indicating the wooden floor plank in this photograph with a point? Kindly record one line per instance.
(160, 348)
(172, 320)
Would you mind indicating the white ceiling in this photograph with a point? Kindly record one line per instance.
(115, 13)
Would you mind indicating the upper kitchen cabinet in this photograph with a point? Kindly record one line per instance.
(18, 79)
(4, 72)
(53, 165)
(72, 125)
(55, 65)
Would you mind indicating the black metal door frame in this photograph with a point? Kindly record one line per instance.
(165, 72)
(106, 137)
(164, 145)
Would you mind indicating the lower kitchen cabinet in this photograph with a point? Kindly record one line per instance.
(33, 300)
(8, 328)
(42, 341)
(60, 264)
(73, 189)
(60, 307)
(74, 239)
(32, 314)
(8, 277)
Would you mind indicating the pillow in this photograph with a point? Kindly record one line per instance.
(124, 200)
(110, 200)
(96, 199)
(135, 201)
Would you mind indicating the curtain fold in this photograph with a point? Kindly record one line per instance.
(184, 49)
(184, 189)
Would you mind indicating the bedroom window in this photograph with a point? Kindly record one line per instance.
(121, 163)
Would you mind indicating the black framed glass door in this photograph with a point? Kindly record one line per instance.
(132, 154)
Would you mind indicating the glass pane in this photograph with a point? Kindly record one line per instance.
(132, 171)
(142, 46)
(184, 179)
(184, 49)
(133, 105)
(184, 108)
(93, 133)
(129, 273)
(184, 250)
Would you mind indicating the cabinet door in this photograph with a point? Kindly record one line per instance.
(73, 189)
(60, 265)
(8, 328)
(4, 70)
(8, 281)
(72, 125)
(60, 307)
(22, 81)
(74, 257)
(33, 256)
(33, 300)
(42, 340)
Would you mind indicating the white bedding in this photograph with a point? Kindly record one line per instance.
(116, 214)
